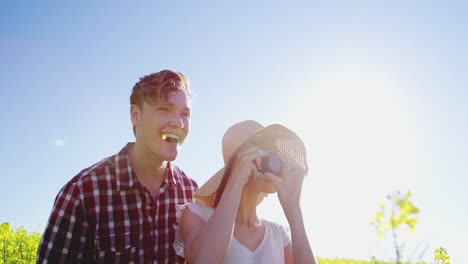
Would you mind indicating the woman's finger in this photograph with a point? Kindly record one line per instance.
(272, 177)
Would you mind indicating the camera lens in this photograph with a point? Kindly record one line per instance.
(271, 162)
(274, 164)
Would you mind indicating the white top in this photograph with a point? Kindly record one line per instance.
(270, 249)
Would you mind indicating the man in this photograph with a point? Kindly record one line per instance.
(123, 209)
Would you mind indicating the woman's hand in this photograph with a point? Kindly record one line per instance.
(289, 186)
(245, 165)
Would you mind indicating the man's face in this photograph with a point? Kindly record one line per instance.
(162, 127)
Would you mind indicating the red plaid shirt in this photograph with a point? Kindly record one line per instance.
(105, 215)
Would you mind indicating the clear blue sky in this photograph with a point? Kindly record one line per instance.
(377, 90)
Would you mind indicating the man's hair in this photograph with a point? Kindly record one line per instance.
(156, 87)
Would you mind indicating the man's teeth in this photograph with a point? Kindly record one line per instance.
(173, 138)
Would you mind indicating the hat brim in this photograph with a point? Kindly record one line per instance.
(206, 194)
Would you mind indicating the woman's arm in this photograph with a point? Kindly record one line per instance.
(208, 242)
(301, 250)
(288, 255)
(289, 189)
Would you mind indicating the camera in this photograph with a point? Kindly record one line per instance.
(270, 162)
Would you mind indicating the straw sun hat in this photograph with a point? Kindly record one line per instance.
(275, 138)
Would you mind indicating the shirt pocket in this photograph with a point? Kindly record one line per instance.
(115, 247)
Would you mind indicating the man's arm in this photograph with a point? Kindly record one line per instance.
(65, 235)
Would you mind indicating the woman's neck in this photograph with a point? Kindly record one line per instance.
(247, 211)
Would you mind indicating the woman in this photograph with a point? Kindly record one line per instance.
(222, 226)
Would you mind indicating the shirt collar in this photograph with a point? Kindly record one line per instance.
(125, 178)
(170, 175)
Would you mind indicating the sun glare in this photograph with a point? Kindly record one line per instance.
(59, 142)
(361, 145)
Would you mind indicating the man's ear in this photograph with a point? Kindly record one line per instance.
(135, 115)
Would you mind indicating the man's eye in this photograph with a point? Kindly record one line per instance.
(163, 109)
(186, 115)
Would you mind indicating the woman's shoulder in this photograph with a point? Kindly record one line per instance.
(273, 224)
(278, 230)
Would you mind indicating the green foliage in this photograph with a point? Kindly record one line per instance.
(403, 212)
(441, 256)
(397, 212)
(17, 246)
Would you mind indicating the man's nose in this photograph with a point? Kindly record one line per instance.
(176, 121)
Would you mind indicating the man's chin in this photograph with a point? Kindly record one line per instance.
(171, 157)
